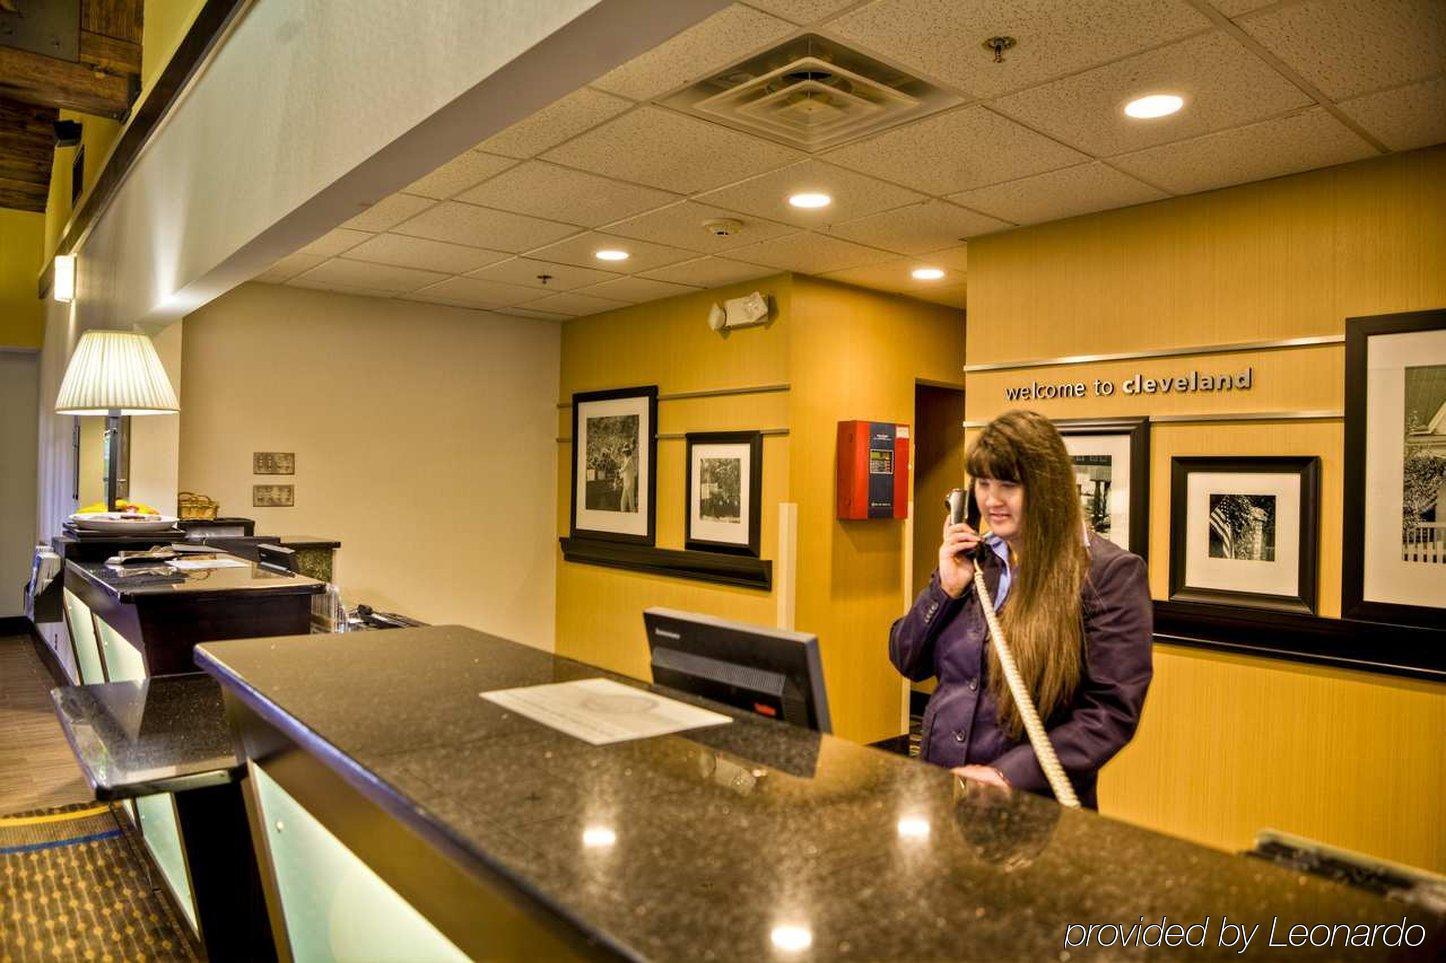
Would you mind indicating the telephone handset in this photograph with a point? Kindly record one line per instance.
(964, 507)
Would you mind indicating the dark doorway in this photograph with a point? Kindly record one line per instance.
(938, 467)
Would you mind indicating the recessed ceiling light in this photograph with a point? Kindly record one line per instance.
(810, 200)
(927, 273)
(610, 254)
(1155, 105)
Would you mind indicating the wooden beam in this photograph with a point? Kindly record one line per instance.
(49, 82)
(21, 196)
(119, 19)
(109, 54)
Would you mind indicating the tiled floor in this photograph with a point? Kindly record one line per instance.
(37, 769)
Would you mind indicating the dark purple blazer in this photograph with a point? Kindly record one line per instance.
(945, 638)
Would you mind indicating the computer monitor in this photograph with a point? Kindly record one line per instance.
(773, 672)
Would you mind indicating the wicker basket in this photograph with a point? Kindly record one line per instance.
(191, 505)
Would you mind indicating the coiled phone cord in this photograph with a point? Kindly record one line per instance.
(1033, 727)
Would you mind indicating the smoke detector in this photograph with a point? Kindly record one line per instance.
(811, 93)
(723, 227)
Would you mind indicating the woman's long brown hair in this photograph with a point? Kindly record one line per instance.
(1042, 619)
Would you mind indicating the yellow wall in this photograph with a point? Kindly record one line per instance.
(846, 353)
(163, 26)
(1231, 744)
(669, 344)
(98, 135)
(22, 316)
(857, 354)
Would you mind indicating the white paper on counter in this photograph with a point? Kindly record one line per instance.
(196, 564)
(601, 711)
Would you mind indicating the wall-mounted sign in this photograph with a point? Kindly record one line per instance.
(1156, 383)
(273, 496)
(273, 463)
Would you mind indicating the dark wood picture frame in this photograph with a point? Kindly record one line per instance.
(650, 393)
(1354, 605)
(1307, 467)
(1138, 430)
(754, 441)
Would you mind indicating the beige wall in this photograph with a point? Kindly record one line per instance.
(19, 374)
(423, 439)
(1230, 744)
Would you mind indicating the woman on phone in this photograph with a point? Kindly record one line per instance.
(1074, 607)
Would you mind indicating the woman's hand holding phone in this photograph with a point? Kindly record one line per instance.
(956, 569)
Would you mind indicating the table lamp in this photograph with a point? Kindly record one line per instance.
(115, 373)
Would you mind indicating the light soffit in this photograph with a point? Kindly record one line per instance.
(1272, 88)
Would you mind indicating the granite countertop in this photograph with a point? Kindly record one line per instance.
(163, 734)
(751, 839)
(157, 581)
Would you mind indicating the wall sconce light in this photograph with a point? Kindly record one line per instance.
(62, 288)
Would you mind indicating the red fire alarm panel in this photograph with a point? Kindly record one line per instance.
(873, 469)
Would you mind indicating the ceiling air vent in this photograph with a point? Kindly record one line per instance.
(811, 93)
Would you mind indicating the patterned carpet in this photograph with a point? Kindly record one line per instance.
(73, 888)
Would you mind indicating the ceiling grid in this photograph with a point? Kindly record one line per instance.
(1271, 88)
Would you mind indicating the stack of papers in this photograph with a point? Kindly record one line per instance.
(601, 711)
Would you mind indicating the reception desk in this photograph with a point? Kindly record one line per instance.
(404, 816)
(125, 628)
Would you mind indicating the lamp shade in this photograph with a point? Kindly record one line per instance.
(115, 371)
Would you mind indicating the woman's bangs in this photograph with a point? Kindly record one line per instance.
(990, 458)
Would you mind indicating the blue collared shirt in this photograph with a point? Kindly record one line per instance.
(1006, 574)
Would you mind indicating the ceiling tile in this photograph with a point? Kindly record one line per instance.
(954, 151)
(535, 315)
(919, 227)
(289, 267)
(809, 253)
(388, 212)
(335, 242)
(726, 37)
(1235, 8)
(417, 252)
(681, 226)
(580, 110)
(1224, 85)
(372, 277)
(475, 293)
(1058, 194)
(1271, 148)
(711, 272)
(944, 38)
(483, 227)
(1351, 47)
(854, 194)
(803, 12)
(894, 276)
(638, 289)
(460, 173)
(339, 289)
(574, 304)
(643, 255)
(524, 271)
(667, 150)
(564, 194)
(1404, 118)
(953, 259)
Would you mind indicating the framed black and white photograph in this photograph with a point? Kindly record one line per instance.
(1112, 472)
(1244, 531)
(614, 459)
(725, 491)
(1394, 531)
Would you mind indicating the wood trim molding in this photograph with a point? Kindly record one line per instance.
(1276, 344)
(741, 570)
(1399, 650)
(195, 47)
